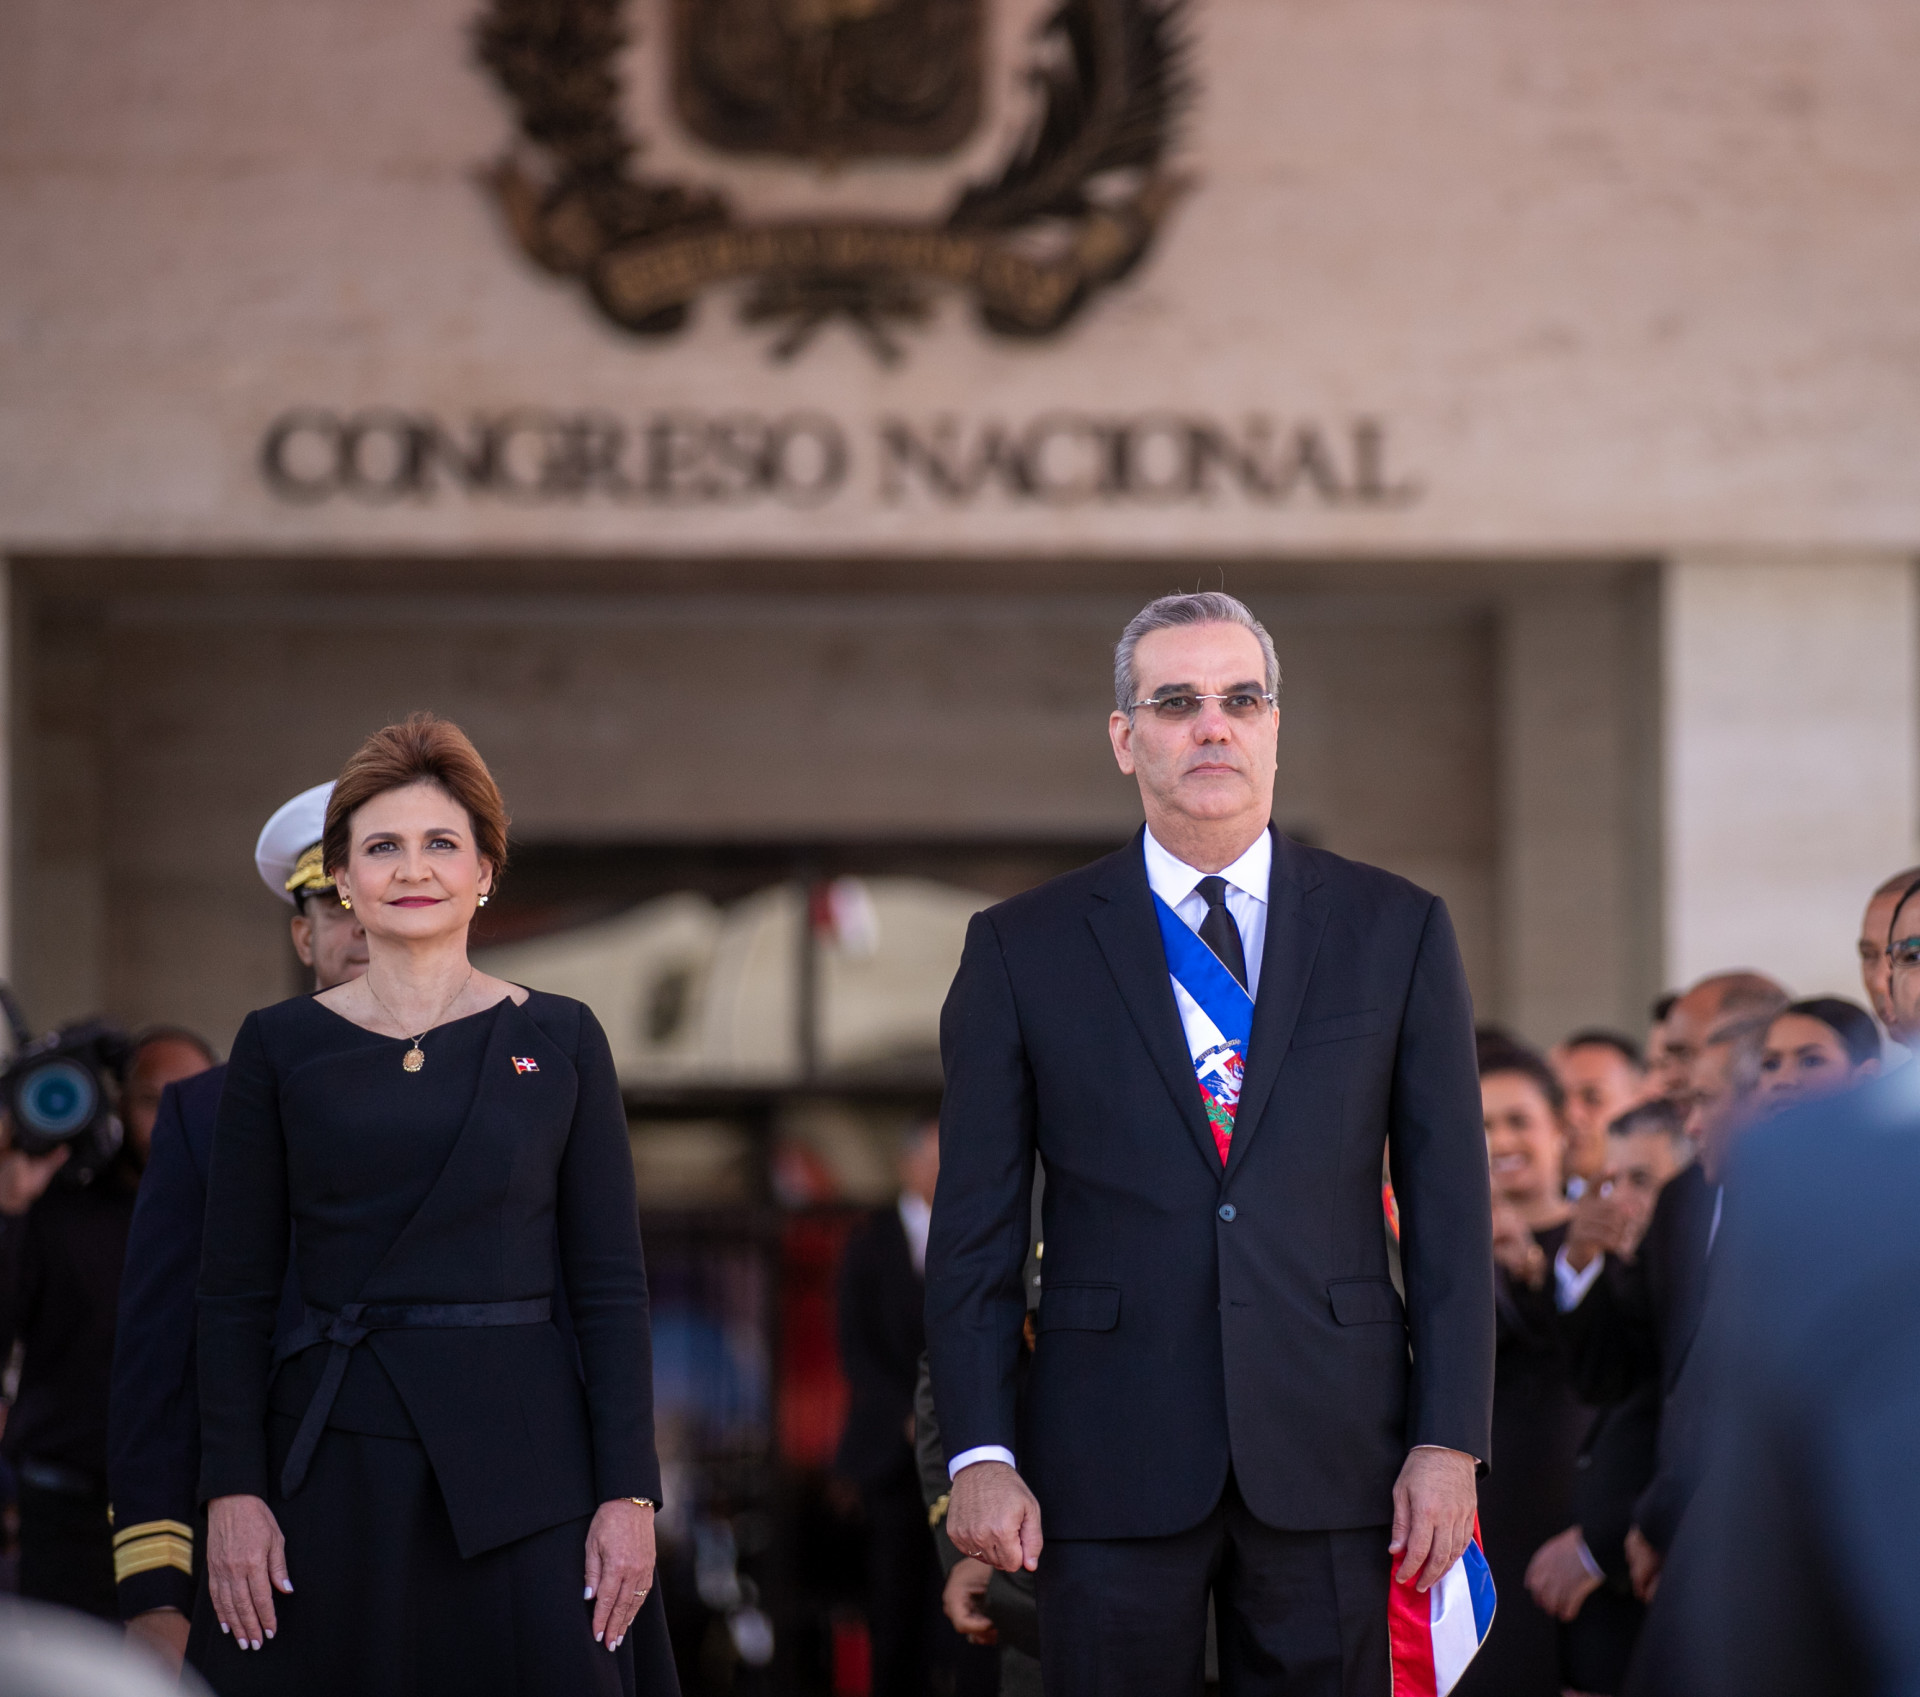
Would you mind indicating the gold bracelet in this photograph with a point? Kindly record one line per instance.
(642, 1502)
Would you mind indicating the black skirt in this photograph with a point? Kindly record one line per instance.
(384, 1605)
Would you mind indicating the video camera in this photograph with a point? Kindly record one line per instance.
(64, 1090)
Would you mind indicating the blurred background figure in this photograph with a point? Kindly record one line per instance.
(1660, 1080)
(1603, 1075)
(62, 1244)
(1791, 1575)
(1902, 955)
(1875, 925)
(1817, 1048)
(1629, 1315)
(49, 1652)
(1537, 1424)
(883, 1286)
(1580, 1576)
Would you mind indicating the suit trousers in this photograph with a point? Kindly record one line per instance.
(1298, 1614)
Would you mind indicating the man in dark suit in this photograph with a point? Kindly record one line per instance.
(1630, 1319)
(882, 1337)
(1581, 1575)
(1790, 1576)
(1211, 1039)
(153, 1435)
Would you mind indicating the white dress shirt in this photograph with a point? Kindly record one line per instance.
(916, 1220)
(1178, 885)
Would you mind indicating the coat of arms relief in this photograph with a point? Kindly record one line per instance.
(1068, 206)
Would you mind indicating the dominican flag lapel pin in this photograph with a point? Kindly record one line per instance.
(525, 1063)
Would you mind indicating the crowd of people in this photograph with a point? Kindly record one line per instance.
(138, 1396)
(1607, 1158)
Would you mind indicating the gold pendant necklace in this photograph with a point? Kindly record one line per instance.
(416, 1057)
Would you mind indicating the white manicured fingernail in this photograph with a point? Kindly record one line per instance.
(224, 1627)
(256, 1643)
(269, 1632)
(599, 1637)
(587, 1595)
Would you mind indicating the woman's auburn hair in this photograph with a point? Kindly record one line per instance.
(422, 748)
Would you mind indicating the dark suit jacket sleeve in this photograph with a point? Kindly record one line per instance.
(243, 1268)
(1438, 1154)
(1611, 1345)
(978, 1245)
(606, 1278)
(878, 1403)
(1680, 1451)
(153, 1422)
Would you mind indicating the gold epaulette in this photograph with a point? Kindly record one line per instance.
(151, 1544)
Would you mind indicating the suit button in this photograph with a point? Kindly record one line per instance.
(1227, 1210)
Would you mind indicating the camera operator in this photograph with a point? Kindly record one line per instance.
(62, 1243)
(153, 1462)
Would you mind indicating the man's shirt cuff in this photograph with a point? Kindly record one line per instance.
(1594, 1569)
(1570, 1288)
(986, 1452)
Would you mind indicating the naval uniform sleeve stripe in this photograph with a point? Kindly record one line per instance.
(151, 1528)
(160, 1550)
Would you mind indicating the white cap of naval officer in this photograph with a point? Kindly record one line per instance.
(288, 852)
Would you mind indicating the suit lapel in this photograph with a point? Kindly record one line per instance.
(1121, 916)
(1296, 917)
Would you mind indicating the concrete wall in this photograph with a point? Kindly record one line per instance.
(168, 725)
(1792, 763)
(1621, 278)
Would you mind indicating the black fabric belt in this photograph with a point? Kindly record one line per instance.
(351, 1326)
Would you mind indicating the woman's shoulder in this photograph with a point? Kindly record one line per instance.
(568, 1021)
(296, 1013)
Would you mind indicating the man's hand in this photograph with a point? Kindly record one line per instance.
(162, 1633)
(993, 1517)
(24, 1178)
(1600, 1226)
(1433, 1504)
(960, 1600)
(1643, 1565)
(1559, 1581)
(1517, 1249)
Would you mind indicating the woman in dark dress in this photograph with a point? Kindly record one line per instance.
(411, 1490)
(1527, 1495)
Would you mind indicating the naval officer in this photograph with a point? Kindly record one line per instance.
(153, 1438)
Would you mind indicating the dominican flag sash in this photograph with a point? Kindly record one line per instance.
(1217, 1013)
(1435, 1636)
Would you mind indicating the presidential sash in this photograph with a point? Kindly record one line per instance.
(1217, 1014)
(1435, 1636)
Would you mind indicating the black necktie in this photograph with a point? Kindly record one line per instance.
(1218, 930)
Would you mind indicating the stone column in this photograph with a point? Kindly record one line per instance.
(1578, 916)
(1791, 712)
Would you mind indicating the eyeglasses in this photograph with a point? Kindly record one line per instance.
(1905, 953)
(1237, 704)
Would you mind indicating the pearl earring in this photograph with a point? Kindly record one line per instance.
(483, 901)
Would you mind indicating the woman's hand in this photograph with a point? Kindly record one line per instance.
(246, 1564)
(619, 1568)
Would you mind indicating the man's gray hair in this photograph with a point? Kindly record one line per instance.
(1206, 607)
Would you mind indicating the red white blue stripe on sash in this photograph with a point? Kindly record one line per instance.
(1435, 1636)
(1217, 1014)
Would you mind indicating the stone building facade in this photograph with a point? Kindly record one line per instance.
(1547, 377)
